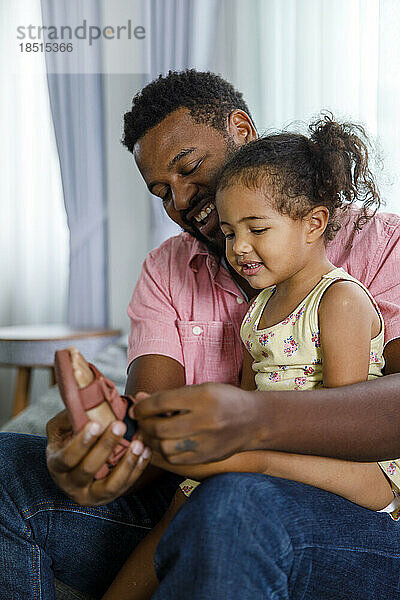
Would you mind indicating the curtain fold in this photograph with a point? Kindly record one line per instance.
(182, 36)
(76, 98)
(33, 224)
(294, 58)
(33, 228)
(388, 99)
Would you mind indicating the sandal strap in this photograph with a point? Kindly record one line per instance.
(102, 389)
(118, 452)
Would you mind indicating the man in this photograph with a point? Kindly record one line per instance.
(283, 538)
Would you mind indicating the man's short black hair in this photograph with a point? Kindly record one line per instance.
(207, 96)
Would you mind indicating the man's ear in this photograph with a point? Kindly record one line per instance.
(241, 128)
(316, 220)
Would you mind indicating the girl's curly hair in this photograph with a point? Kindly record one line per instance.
(327, 168)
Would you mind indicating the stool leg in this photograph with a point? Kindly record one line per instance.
(21, 390)
(53, 379)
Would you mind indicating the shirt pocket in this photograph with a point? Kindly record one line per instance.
(209, 351)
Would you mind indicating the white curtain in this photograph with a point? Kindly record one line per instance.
(182, 36)
(388, 92)
(76, 98)
(33, 228)
(292, 58)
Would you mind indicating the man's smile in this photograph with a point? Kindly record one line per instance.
(204, 212)
(203, 217)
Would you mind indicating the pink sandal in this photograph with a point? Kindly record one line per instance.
(78, 400)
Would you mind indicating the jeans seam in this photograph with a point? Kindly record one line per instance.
(87, 514)
(36, 585)
(347, 549)
(50, 503)
(37, 593)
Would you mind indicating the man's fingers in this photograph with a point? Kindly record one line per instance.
(99, 453)
(170, 427)
(122, 476)
(160, 403)
(173, 450)
(153, 443)
(185, 451)
(70, 455)
(59, 421)
(58, 427)
(141, 396)
(185, 458)
(78, 479)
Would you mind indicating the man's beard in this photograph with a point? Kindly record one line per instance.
(215, 247)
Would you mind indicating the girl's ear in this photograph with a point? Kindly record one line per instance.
(316, 221)
(241, 128)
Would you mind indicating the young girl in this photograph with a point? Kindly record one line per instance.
(279, 200)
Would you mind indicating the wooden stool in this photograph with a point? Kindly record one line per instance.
(33, 346)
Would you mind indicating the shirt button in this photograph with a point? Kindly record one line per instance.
(197, 330)
(239, 300)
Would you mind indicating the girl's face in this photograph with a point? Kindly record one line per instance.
(262, 245)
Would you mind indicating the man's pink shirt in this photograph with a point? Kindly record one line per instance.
(186, 306)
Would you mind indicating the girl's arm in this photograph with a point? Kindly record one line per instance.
(248, 382)
(347, 322)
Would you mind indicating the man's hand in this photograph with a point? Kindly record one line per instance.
(204, 423)
(73, 461)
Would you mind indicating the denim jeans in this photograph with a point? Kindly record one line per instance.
(252, 537)
(239, 536)
(43, 534)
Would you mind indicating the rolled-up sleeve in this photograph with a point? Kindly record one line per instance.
(153, 328)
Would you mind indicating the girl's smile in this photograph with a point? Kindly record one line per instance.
(251, 269)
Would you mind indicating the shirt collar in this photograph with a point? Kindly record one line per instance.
(199, 253)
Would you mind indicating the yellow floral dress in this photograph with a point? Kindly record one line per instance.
(287, 356)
